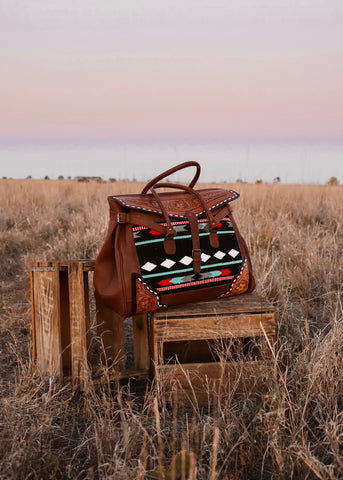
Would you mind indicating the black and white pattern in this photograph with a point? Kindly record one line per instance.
(170, 273)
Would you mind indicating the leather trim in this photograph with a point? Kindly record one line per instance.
(146, 300)
(176, 204)
(241, 283)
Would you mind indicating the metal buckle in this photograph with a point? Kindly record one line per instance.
(118, 218)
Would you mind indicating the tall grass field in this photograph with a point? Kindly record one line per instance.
(292, 429)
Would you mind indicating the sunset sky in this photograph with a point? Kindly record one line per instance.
(161, 70)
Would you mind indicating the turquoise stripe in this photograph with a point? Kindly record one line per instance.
(167, 274)
(180, 237)
(174, 272)
(221, 264)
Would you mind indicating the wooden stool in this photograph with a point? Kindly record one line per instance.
(61, 326)
(191, 346)
(197, 346)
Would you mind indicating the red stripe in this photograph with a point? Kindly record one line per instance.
(199, 282)
(165, 281)
(202, 220)
(224, 272)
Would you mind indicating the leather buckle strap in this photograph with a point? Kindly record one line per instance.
(212, 224)
(196, 251)
(169, 242)
(196, 257)
(142, 219)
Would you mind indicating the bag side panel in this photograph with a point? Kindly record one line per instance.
(116, 267)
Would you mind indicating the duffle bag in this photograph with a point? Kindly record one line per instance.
(171, 248)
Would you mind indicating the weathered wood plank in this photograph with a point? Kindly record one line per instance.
(213, 327)
(46, 321)
(87, 311)
(215, 350)
(181, 337)
(111, 337)
(206, 381)
(33, 316)
(246, 303)
(79, 326)
(87, 265)
(198, 372)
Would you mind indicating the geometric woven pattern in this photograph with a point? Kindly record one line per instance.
(170, 273)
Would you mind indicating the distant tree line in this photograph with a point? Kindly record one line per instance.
(333, 181)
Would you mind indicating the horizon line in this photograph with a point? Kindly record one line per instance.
(166, 142)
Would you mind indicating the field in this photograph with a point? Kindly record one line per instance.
(292, 430)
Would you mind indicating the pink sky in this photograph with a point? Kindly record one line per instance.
(238, 70)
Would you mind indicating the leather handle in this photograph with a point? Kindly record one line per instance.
(213, 223)
(210, 227)
(173, 170)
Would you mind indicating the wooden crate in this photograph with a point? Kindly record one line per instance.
(203, 348)
(63, 324)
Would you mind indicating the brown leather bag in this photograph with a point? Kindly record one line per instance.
(171, 248)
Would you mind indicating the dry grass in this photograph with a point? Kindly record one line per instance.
(293, 430)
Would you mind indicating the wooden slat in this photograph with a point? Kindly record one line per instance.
(133, 373)
(214, 350)
(43, 266)
(79, 326)
(198, 372)
(182, 331)
(111, 336)
(87, 312)
(87, 265)
(46, 321)
(141, 341)
(247, 303)
(33, 316)
(203, 382)
(213, 327)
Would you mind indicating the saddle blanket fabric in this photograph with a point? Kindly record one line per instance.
(174, 273)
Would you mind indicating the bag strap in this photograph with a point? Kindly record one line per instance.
(212, 223)
(173, 170)
(211, 227)
(169, 243)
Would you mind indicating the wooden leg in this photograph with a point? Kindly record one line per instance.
(141, 341)
(65, 319)
(79, 326)
(110, 327)
(33, 316)
(87, 312)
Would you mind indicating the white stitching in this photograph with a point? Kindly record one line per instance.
(152, 291)
(235, 280)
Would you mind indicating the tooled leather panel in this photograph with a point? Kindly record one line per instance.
(240, 284)
(177, 203)
(146, 300)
